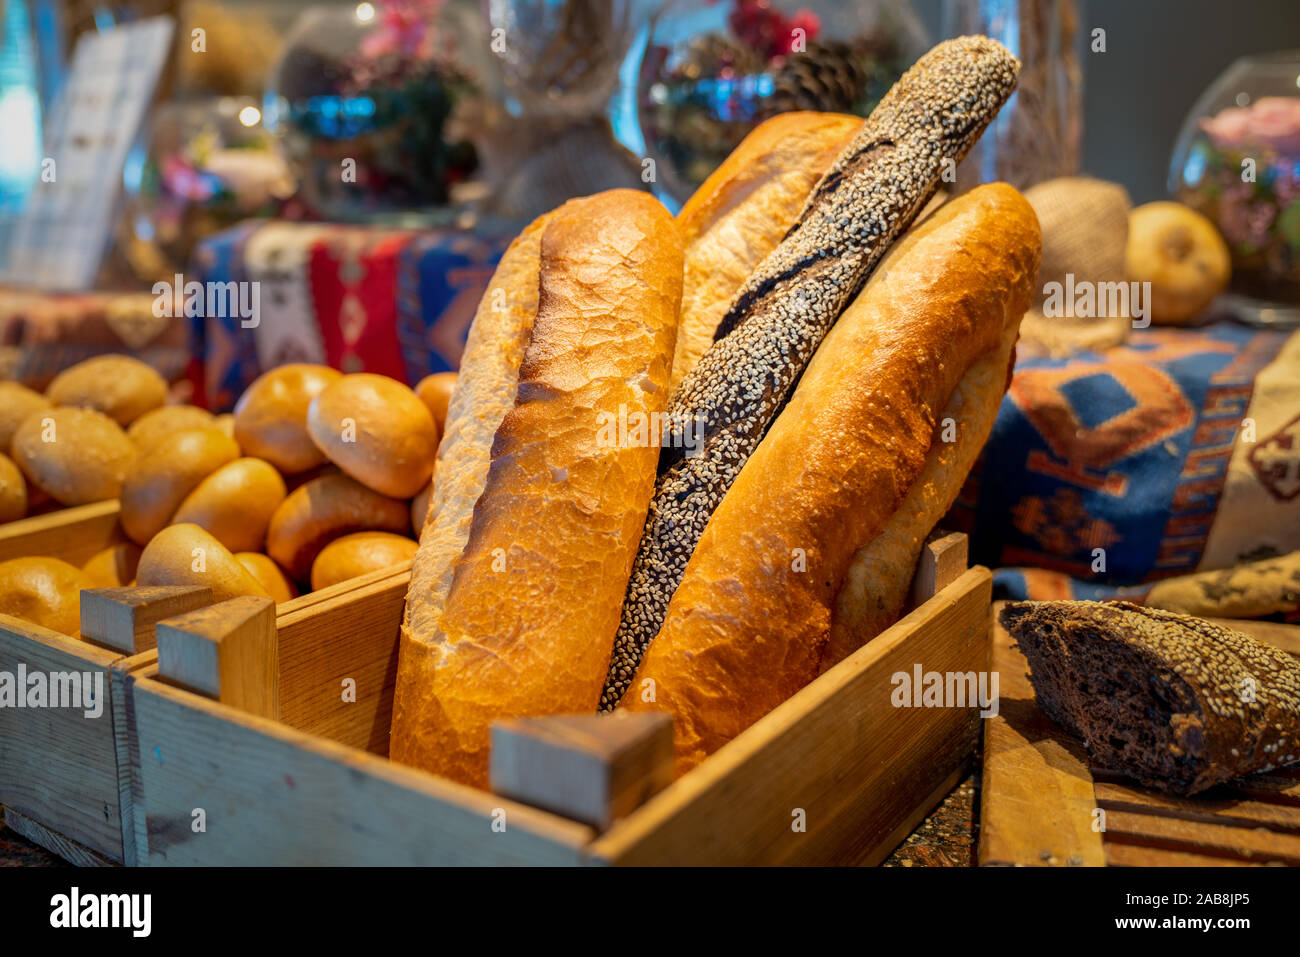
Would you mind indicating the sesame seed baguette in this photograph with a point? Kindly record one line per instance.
(1177, 703)
(528, 620)
(748, 624)
(763, 344)
(742, 211)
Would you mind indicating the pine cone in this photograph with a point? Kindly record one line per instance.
(827, 76)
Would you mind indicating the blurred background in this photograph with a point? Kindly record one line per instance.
(368, 161)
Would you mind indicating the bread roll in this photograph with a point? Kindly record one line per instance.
(44, 591)
(121, 387)
(435, 391)
(529, 619)
(326, 508)
(740, 213)
(113, 567)
(378, 431)
(166, 474)
(76, 456)
(866, 200)
(13, 490)
(268, 575)
(271, 416)
(187, 555)
(359, 554)
(157, 424)
(16, 403)
(235, 503)
(749, 622)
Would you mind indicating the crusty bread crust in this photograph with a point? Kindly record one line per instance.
(748, 624)
(740, 213)
(529, 619)
(485, 391)
(879, 578)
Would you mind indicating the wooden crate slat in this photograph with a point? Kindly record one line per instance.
(825, 741)
(1202, 807)
(1133, 855)
(1257, 845)
(1039, 790)
(360, 643)
(73, 534)
(58, 767)
(53, 841)
(1036, 803)
(274, 795)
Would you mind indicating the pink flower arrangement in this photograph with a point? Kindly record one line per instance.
(404, 28)
(1271, 122)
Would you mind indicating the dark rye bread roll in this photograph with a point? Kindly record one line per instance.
(528, 619)
(1178, 703)
(865, 201)
(749, 623)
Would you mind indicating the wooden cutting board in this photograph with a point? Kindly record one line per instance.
(1042, 805)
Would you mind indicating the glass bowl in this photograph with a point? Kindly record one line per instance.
(1237, 160)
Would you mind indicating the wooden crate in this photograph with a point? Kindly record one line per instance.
(62, 781)
(64, 778)
(1042, 805)
(73, 534)
(212, 784)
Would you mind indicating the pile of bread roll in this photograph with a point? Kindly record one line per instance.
(316, 477)
(838, 371)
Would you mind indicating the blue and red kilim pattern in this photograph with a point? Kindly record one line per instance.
(1125, 451)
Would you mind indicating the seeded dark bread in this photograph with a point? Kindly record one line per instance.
(1177, 703)
(528, 620)
(742, 211)
(750, 621)
(865, 201)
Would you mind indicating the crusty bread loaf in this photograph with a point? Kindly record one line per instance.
(1178, 703)
(868, 197)
(529, 619)
(879, 579)
(749, 622)
(740, 213)
(484, 393)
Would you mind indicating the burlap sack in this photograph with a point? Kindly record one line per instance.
(1085, 229)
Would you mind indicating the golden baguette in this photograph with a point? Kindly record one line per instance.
(749, 623)
(528, 621)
